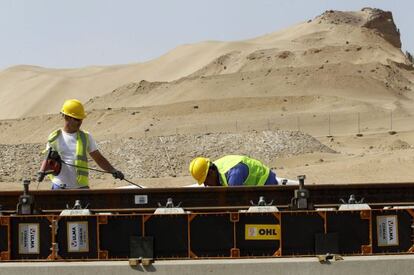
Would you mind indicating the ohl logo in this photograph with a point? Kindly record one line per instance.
(262, 232)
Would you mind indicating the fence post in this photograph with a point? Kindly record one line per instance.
(359, 124)
(329, 124)
(391, 121)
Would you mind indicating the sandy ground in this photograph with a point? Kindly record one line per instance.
(333, 77)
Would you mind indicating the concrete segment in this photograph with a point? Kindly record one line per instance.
(366, 265)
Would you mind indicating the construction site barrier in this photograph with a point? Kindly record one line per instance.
(194, 235)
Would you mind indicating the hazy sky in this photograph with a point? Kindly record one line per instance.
(77, 33)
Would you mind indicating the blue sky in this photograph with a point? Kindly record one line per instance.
(78, 33)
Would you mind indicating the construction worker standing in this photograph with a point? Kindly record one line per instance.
(231, 170)
(72, 144)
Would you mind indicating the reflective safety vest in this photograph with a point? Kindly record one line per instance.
(81, 159)
(258, 173)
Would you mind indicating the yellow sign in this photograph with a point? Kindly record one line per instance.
(262, 231)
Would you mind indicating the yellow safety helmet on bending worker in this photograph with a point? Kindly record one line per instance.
(73, 108)
(199, 169)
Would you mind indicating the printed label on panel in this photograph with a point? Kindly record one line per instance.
(141, 199)
(387, 230)
(29, 238)
(262, 231)
(78, 239)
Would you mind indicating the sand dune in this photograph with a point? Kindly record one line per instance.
(334, 37)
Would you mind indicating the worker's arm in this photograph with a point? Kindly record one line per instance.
(105, 165)
(237, 175)
(271, 179)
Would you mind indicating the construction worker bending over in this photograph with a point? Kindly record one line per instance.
(72, 144)
(231, 170)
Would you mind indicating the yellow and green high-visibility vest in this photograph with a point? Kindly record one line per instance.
(258, 172)
(81, 159)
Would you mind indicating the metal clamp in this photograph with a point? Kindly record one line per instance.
(261, 202)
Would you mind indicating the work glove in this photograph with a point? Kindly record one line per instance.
(118, 175)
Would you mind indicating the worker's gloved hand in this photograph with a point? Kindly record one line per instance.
(118, 175)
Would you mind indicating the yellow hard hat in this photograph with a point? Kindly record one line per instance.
(199, 169)
(73, 108)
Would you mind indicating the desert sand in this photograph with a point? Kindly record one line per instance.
(340, 78)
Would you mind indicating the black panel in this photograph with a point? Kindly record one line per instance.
(115, 236)
(3, 238)
(256, 247)
(62, 237)
(211, 235)
(298, 232)
(142, 247)
(45, 237)
(405, 231)
(353, 232)
(326, 243)
(170, 233)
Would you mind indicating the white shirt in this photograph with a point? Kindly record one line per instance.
(67, 151)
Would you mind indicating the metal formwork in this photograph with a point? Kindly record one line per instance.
(195, 235)
(202, 198)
